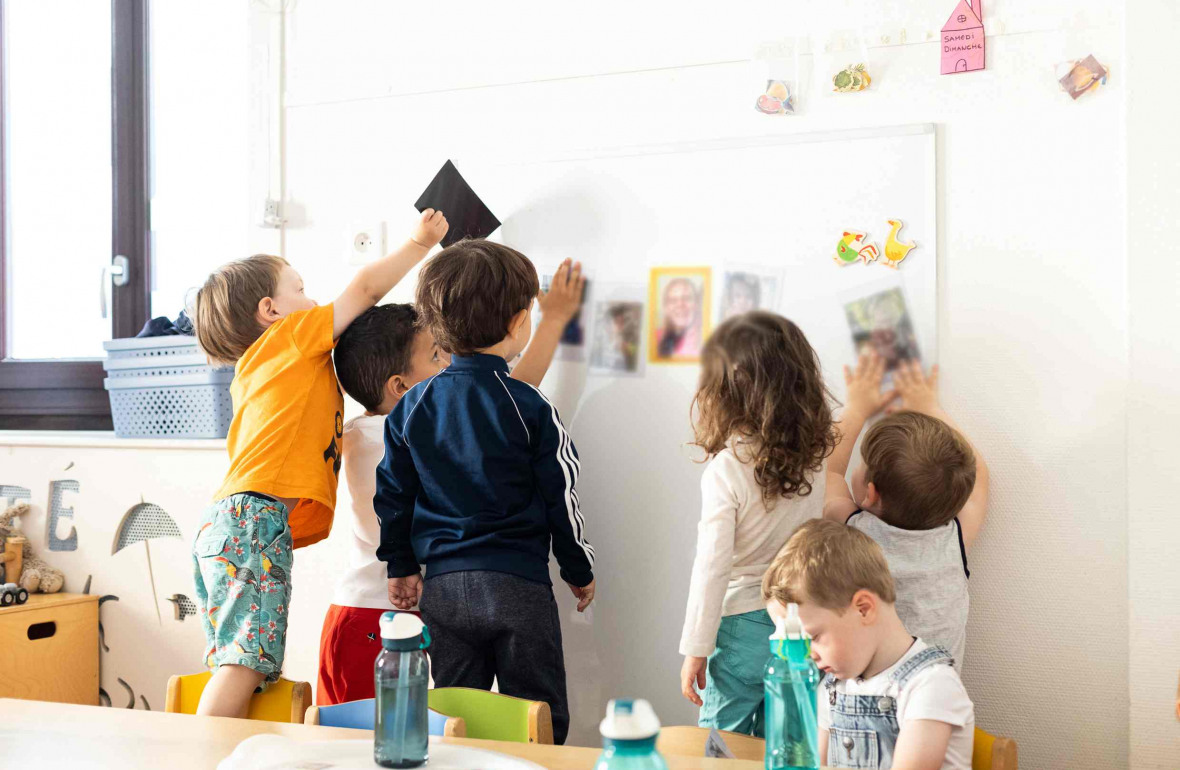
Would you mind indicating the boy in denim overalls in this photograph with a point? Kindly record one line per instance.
(888, 698)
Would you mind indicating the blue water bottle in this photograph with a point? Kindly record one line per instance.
(629, 735)
(402, 677)
(791, 681)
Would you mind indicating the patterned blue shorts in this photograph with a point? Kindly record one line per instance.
(242, 559)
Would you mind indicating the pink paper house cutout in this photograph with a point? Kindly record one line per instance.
(963, 39)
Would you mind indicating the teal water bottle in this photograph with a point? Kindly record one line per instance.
(629, 735)
(791, 681)
(402, 677)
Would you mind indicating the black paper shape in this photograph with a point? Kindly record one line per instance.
(467, 215)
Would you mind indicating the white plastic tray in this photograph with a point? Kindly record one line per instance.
(274, 752)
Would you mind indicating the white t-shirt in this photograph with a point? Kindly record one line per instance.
(935, 693)
(737, 538)
(363, 584)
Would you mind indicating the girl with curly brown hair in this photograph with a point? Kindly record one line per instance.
(764, 418)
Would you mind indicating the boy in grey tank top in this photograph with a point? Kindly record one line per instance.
(921, 493)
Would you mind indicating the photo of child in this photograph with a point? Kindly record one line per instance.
(881, 322)
(679, 311)
(617, 326)
(744, 291)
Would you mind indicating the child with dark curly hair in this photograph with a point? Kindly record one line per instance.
(763, 416)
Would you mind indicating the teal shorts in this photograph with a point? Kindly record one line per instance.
(242, 559)
(733, 694)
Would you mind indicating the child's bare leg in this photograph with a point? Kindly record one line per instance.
(228, 692)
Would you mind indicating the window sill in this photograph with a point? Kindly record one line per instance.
(99, 439)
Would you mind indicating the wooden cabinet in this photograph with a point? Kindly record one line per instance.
(49, 649)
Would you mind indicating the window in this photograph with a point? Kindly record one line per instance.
(89, 134)
(201, 85)
(73, 195)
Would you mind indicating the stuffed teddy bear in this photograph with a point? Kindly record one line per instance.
(36, 574)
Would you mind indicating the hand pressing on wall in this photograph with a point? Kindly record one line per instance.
(558, 307)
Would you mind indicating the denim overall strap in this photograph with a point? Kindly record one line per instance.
(923, 660)
(864, 728)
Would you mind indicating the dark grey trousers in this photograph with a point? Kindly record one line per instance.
(486, 625)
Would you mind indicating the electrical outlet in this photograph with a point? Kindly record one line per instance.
(365, 242)
(272, 214)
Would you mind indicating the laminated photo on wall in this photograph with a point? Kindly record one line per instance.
(678, 307)
(742, 289)
(617, 338)
(879, 321)
(842, 64)
(777, 78)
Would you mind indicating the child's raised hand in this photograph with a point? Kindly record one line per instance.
(864, 386)
(564, 297)
(404, 592)
(431, 229)
(918, 391)
(585, 594)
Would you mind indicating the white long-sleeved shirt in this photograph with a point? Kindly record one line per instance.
(737, 538)
(363, 583)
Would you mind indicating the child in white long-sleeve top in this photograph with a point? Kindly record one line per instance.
(764, 418)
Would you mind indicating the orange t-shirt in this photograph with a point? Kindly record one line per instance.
(285, 437)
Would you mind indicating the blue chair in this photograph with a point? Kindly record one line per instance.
(361, 715)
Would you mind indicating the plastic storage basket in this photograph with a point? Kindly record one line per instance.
(163, 387)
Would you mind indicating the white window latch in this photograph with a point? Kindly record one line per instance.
(118, 273)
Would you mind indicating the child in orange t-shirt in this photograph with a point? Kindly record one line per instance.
(284, 449)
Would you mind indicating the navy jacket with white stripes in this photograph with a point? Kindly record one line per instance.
(479, 474)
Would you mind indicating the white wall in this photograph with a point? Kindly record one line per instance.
(1034, 290)
(1153, 206)
(1032, 326)
(144, 651)
(179, 476)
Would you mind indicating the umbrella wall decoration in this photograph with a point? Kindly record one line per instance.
(142, 523)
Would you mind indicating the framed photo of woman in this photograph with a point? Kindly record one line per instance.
(679, 313)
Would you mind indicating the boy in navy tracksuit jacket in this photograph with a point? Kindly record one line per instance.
(477, 482)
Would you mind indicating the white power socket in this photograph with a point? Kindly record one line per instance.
(365, 242)
(272, 214)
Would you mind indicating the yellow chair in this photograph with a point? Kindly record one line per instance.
(283, 701)
(495, 717)
(993, 752)
(682, 740)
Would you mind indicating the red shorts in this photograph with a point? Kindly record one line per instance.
(349, 645)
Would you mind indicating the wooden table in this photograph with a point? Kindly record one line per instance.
(36, 734)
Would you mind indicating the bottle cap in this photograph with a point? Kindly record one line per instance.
(403, 631)
(629, 720)
(787, 629)
(789, 626)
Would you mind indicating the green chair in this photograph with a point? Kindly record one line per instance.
(495, 717)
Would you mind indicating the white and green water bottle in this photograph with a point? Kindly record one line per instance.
(791, 681)
(629, 735)
(402, 678)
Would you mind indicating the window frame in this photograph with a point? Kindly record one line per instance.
(68, 394)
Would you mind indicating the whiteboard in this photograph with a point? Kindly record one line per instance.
(778, 206)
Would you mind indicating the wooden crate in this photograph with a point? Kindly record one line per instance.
(61, 665)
